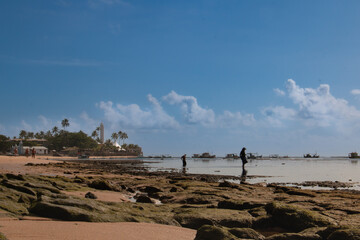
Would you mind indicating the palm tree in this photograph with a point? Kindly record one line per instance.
(123, 136)
(94, 134)
(114, 136)
(65, 123)
(22, 134)
(55, 130)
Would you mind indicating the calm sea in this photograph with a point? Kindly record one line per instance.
(277, 170)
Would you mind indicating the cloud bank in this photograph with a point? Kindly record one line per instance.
(314, 107)
(132, 116)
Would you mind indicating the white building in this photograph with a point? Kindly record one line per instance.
(40, 150)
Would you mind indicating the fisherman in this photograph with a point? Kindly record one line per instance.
(183, 158)
(243, 157)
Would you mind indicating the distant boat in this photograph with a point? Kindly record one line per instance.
(354, 155)
(232, 155)
(308, 155)
(204, 155)
(253, 156)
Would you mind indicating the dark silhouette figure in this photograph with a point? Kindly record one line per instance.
(183, 158)
(27, 152)
(243, 176)
(33, 152)
(243, 157)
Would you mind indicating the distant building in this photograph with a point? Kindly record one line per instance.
(40, 150)
(102, 137)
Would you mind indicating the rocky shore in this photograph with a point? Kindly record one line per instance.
(124, 191)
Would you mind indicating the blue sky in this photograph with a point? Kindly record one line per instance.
(186, 76)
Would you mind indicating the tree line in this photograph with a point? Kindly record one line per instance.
(57, 139)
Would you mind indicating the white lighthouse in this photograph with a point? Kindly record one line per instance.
(102, 133)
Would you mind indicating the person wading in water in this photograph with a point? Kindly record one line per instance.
(243, 157)
(183, 158)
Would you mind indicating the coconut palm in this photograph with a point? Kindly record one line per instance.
(65, 123)
(22, 134)
(114, 136)
(55, 130)
(123, 136)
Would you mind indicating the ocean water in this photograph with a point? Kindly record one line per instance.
(277, 170)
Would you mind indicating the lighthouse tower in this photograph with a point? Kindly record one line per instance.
(102, 133)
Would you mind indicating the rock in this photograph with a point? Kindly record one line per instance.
(42, 186)
(15, 177)
(238, 205)
(2, 237)
(144, 199)
(197, 200)
(196, 217)
(173, 189)
(246, 233)
(228, 184)
(294, 236)
(17, 187)
(207, 232)
(294, 218)
(102, 185)
(69, 209)
(348, 234)
(90, 195)
(150, 189)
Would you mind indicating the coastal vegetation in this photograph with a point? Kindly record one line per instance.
(60, 139)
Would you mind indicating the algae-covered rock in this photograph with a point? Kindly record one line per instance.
(17, 187)
(102, 184)
(69, 209)
(42, 186)
(294, 236)
(246, 233)
(196, 217)
(2, 237)
(208, 232)
(14, 176)
(239, 205)
(348, 234)
(294, 218)
(90, 195)
(144, 199)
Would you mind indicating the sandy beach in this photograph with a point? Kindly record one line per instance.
(49, 199)
(44, 228)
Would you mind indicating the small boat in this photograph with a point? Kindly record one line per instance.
(253, 156)
(232, 156)
(308, 155)
(207, 155)
(354, 155)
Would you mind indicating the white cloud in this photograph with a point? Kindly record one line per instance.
(315, 107)
(230, 119)
(193, 113)
(276, 115)
(279, 92)
(355, 92)
(132, 116)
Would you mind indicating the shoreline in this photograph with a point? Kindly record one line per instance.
(125, 192)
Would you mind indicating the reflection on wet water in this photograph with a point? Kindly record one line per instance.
(290, 170)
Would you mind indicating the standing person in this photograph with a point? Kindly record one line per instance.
(243, 157)
(183, 158)
(27, 152)
(33, 152)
